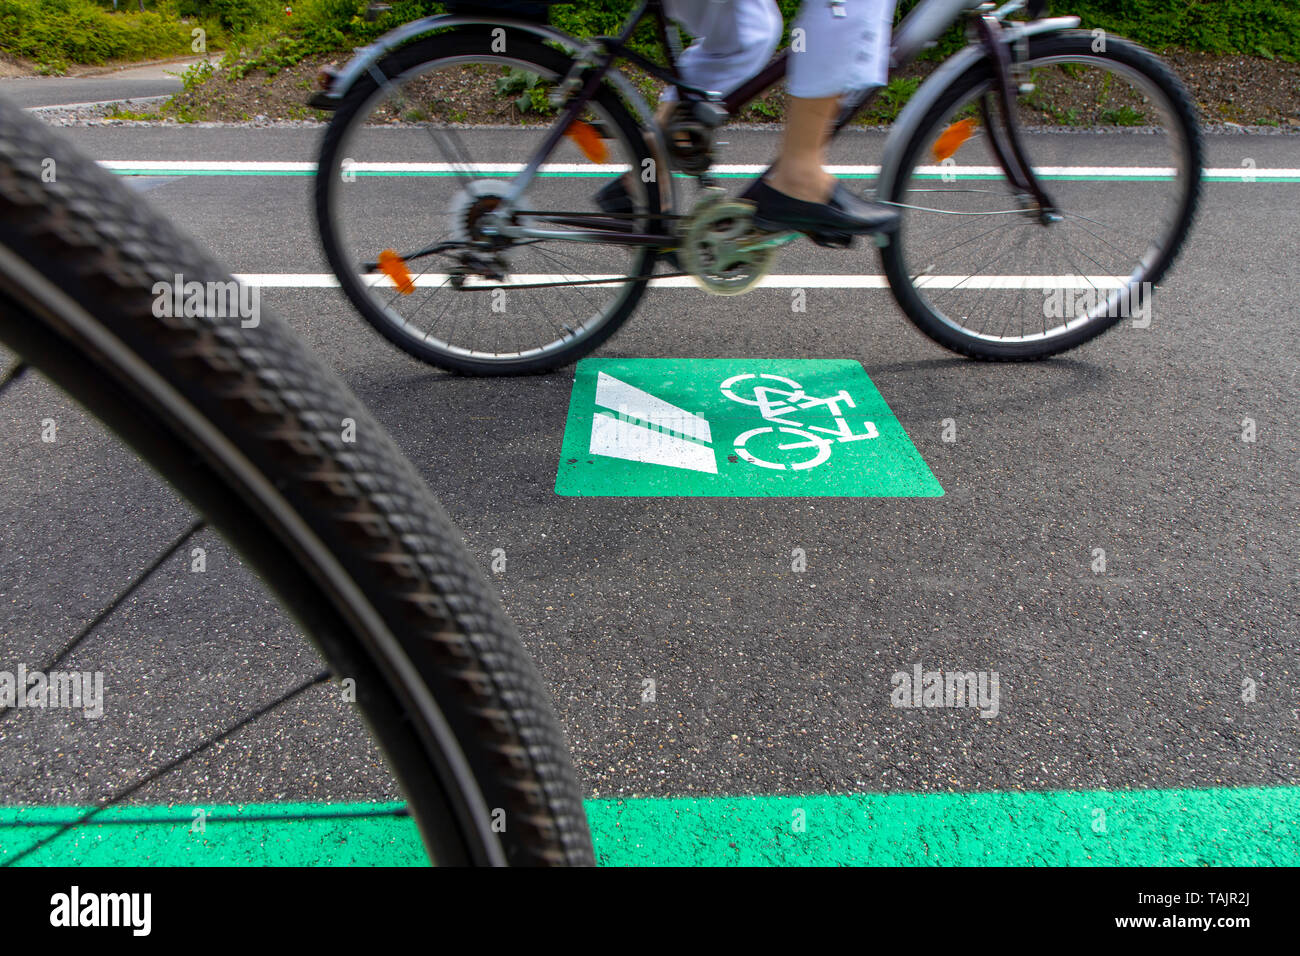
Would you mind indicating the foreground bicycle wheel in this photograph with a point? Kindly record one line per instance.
(250, 427)
(396, 179)
(978, 271)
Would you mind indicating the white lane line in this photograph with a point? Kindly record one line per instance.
(325, 280)
(240, 167)
(204, 166)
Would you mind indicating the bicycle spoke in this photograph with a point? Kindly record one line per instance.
(447, 303)
(171, 765)
(553, 256)
(1106, 242)
(114, 604)
(1000, 256)
(580, 286)
(933, 257)
(455, 155)
(1066, 242)
(428, 297)
(1104, 229)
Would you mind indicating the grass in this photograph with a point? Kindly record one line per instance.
(1123, 116)
(890, 101)
(131, 115)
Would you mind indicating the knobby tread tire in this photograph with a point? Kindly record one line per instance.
(283, 410)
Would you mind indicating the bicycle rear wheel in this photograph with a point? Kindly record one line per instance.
(397, 178)
(977, 270)
(252, 429)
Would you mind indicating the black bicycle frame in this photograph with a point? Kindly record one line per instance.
(917, 30)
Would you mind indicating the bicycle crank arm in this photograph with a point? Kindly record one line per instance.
(767, 240)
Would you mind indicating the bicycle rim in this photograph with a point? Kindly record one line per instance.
(396, 176)
(179, 392)
(975, 267)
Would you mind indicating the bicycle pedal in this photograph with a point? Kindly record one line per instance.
(832, 240)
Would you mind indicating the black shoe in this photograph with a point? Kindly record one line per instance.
(830, 223)
(614, 199)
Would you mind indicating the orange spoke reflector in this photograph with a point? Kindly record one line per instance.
(588, 140)
(950, 140)
(394, 266)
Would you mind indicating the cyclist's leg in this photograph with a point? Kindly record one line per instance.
(733, 42)
(840, 48)
(840, 54)
(836, 54)
(799, 172)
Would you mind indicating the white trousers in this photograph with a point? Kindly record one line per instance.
(829, 54)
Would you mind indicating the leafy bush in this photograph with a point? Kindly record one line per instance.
(324, 27)
(532, 91)
(86, 31)
(1251, 27)
(79, 31)
(235, 16)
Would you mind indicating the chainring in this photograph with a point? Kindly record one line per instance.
(722, 250)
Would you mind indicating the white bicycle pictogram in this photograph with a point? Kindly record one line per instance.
(776, 402)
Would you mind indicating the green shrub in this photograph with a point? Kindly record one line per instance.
(79, 31)
(235, 16)
(1251, 27)
(1255, 27)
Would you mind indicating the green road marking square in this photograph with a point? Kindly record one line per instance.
(735, 428)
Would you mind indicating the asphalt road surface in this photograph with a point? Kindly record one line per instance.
(159, 79)
(767, 680)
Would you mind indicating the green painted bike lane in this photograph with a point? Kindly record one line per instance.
(1247, 826)
(683, 427)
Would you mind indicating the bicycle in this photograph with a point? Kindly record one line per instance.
(254, 431)
(429, 244)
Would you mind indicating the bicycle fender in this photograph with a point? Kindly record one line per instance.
(933, 89)
(364, 58)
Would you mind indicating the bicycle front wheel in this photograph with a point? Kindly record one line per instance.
(400, 178)
(978, 269)
(287, 464)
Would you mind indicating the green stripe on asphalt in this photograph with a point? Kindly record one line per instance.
(268, 834)
(1223, 827)
(1228, 827)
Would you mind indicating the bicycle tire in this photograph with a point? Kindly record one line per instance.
(1053, 44)
(245, 423)
(422, 53)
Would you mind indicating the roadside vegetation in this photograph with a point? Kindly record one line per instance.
(1248, 27)
(1241, 57)
(56, 34)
